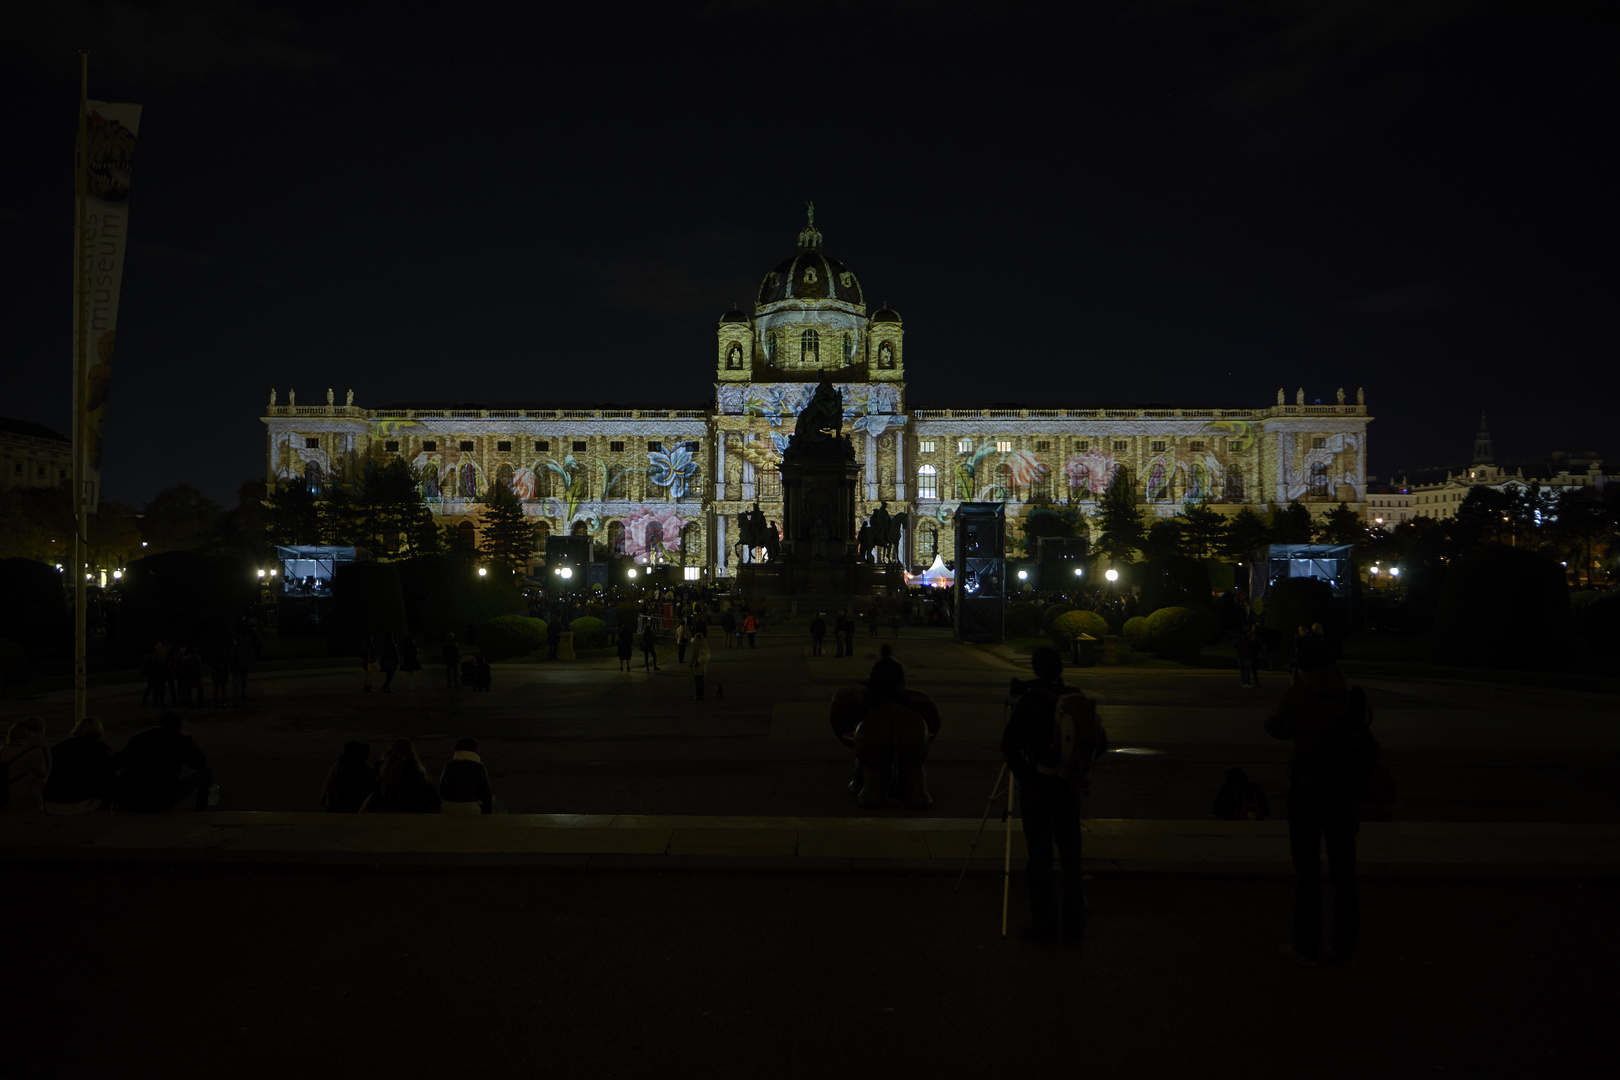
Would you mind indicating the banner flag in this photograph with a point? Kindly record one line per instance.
(100, 236)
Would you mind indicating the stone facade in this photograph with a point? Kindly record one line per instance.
(667, 484)
(32, 455)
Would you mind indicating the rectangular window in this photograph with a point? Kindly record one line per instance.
(1196, 447)
(1158, 446)
(690, 446)
(429, 445)
(41, 472)
(1043, 444)
(1003, 446)
(542, 444)
(311, 443)
(1318, 444)
(964, 446)
(466, 444)
(693, 573)
(1082, 444)
(616, 446)
(392, 446)
(655, 448)
(925, 446)
(770, 485)
(579, 444)
(504, 446)
(1120, 446)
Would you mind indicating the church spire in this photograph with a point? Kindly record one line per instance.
(809, 236)
(1483, 453)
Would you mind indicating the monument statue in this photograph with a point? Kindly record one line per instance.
(821, 420)
(350, 401)
(292, 397)
(1341, 395)
(1299, 396)
(1361, 398)
(272, 397)
(329, 395)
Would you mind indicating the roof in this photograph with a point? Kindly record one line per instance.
(30, 430)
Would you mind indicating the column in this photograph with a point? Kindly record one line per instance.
(900, 477)
(871, 467)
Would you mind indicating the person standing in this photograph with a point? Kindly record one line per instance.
(1327, 720)
(750, 627)
(1050, 802)
(627, 641)
(838, 634)
(849, 636)
(649, 648)
(241, 661)
(152, 668)
(388, 657)
(1248, 654)
(728, 627)
(872, 620)
(410, 663)
(681, 638)
(368, 658)
(700, 663)
(452, 663)
(818, 631)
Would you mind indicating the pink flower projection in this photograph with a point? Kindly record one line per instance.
(652, 530)
(1090, 471)
(1024, 468)
(525, 484)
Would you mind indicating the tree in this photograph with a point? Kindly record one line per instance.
(1202, 530)
(242, 530)
(508, 536)
(1163, 539)
(1341, 526)
(179, 518)
(1486, 513)
(1119, 522)
(1291, 525)
(1244, 533)
(339, 523)
(115, 535)
(1047, 520)
(36, 523)
(292, 515)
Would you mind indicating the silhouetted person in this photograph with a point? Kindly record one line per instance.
(452, 663)
(627, 644)
(410, 662)
(349, 780)
(82, 776)
(649, 648)
(388, 658)
(149, 769)
(887, 680)
(818, 631)
(368, 658)
(700, 662)
(1241, 799)
(402, 785)
(464, 782)
(241, 661)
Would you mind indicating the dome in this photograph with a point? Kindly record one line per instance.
(809, 274)
(734, 316)
(886, 315)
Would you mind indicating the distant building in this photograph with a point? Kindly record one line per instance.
(1388, 505)
(1437, 494)
(32, 455)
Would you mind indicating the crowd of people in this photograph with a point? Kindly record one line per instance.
(174, 671)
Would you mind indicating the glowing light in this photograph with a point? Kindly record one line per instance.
(632, 573)
(143, 543)
(566, 573)
(1079, 571)
(1394, 571)
(482, 571)
(117, 574)
(261, 573)
(1373, 570)
(1023, 575)
(1112, 575)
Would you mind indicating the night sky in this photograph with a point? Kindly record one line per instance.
(1079, 204)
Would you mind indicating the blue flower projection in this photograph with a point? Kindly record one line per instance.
(672, 469)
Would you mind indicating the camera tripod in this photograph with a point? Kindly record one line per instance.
(1006, 865)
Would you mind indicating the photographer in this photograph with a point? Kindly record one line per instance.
(1050, 784)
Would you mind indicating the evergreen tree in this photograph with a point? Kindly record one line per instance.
(1046, 520)
(1245, 532)
(1164, 538)
(1291, 525)
(1119, 521)
(292, 515)
(339, 524)
(1203, 530)
(1341, 526)
(508, 536)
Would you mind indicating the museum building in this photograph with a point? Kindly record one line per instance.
(665, 484)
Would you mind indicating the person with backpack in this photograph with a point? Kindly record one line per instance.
(1050, 741)
(1335, 758)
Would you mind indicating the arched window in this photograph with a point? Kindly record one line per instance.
(1004, 480)
(312, 478)
(579, 528)
(542, 533)
(503, 477)
(466, 536)
(1319, 480)
(1234, 484)
(692, 545)
(655, 541)
(469, 481)
(1080, 482)
(928, 539)
(927, 482)
(810, 349)
(615, 537)
(430, 481)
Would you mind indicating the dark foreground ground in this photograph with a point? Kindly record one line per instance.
(141, 974)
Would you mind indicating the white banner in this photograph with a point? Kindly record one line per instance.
(100, 236)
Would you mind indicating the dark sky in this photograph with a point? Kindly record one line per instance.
(1071, 203)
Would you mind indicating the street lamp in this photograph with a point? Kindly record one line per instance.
(1023, 575)
(632, 573)
(482, 571)
(1079, 570)
(1112, 575)
(565, 573)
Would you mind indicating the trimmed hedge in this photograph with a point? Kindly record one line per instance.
(1052, 613)
(589, 632)
(508, 636)
(1503, 607)
(1135, 633)
(1181, 631)
(1072, 624)
(1174, 581)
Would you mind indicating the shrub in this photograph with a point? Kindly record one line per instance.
(1174, 581)
(1074, 623)
(626, 613)
(462, 600)
(1181, 631)
(589, 632)
(1051, 613)
(1135, 632)
(182, 596)
(36, 617)
(1022, 619)
(507, 636)
(1303, 601)
(1485, 586)
(366, 602)
(1600, 620)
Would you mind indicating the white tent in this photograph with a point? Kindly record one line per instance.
(937, 575)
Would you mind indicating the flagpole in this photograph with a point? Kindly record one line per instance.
(81, 423)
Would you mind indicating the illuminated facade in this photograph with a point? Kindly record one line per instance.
(32, 455)
(666, 484)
